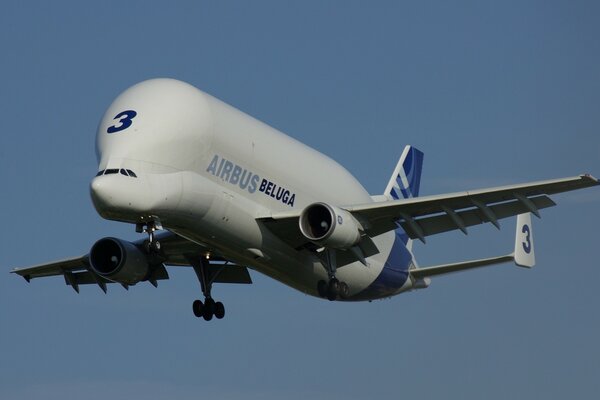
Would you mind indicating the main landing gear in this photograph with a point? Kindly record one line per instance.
(209, 308)
(333, 288)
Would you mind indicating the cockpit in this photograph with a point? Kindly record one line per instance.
(122, 171)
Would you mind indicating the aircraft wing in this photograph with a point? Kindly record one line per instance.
(53, 268)
(175, 250)
(428, 215)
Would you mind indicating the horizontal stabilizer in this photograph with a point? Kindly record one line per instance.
(460, 266)
(523, 255)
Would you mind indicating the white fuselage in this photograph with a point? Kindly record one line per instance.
(207, 171)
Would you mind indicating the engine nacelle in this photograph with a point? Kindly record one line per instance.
(329, 226)
(119, 261)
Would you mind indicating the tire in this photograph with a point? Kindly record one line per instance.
(333, 289)
(344, 290)
(207, 315)
(209, 309)
(322, 289)
(198, 307)
(219, 310)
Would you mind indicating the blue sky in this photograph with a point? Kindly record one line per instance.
(492, 92)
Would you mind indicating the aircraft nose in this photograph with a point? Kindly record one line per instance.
(99, 190)
(113, 196)
(120, 197)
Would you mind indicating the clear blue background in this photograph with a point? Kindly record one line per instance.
(492, 92)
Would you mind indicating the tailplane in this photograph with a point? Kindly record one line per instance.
(523, 255)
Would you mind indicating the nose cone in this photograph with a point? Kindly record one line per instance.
(117, 197)
(104, 191)
(131, 199)
(101, 193)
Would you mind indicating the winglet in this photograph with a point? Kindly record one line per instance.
(524, 250)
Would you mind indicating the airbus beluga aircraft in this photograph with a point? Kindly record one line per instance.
(209, 178)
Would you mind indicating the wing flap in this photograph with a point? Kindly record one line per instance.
(229, 273)
(75, 279)
(420, 206)
(444, 222)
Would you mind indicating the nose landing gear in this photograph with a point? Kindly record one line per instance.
(152, 246)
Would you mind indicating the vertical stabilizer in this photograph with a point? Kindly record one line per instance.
(405, 182)
(406, 179)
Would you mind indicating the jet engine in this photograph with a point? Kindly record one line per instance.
(119, 261)
(329, 226)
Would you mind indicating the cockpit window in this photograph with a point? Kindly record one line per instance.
(122, 171)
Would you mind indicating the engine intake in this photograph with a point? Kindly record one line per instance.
(329, 226)
(119, 261)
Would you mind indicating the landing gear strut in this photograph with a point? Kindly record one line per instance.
(209, 308)
(152, 246)
(333, 288)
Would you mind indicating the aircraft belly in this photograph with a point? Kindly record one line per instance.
(229, 227)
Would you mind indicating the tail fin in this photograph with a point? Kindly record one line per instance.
(405, 183)
(524, 254)
(406, 179)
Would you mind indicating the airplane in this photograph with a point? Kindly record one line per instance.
(214, 189)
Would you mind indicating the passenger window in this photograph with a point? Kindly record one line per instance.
(111, 171)
(131, 173)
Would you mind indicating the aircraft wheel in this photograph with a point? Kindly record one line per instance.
(344, 290)
(197, 307)
(152, 247)
(219, 310)
(207, 314)
(209, 309)
(322, 288)
(333, 289)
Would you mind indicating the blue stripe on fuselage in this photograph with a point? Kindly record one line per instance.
(394, 273)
